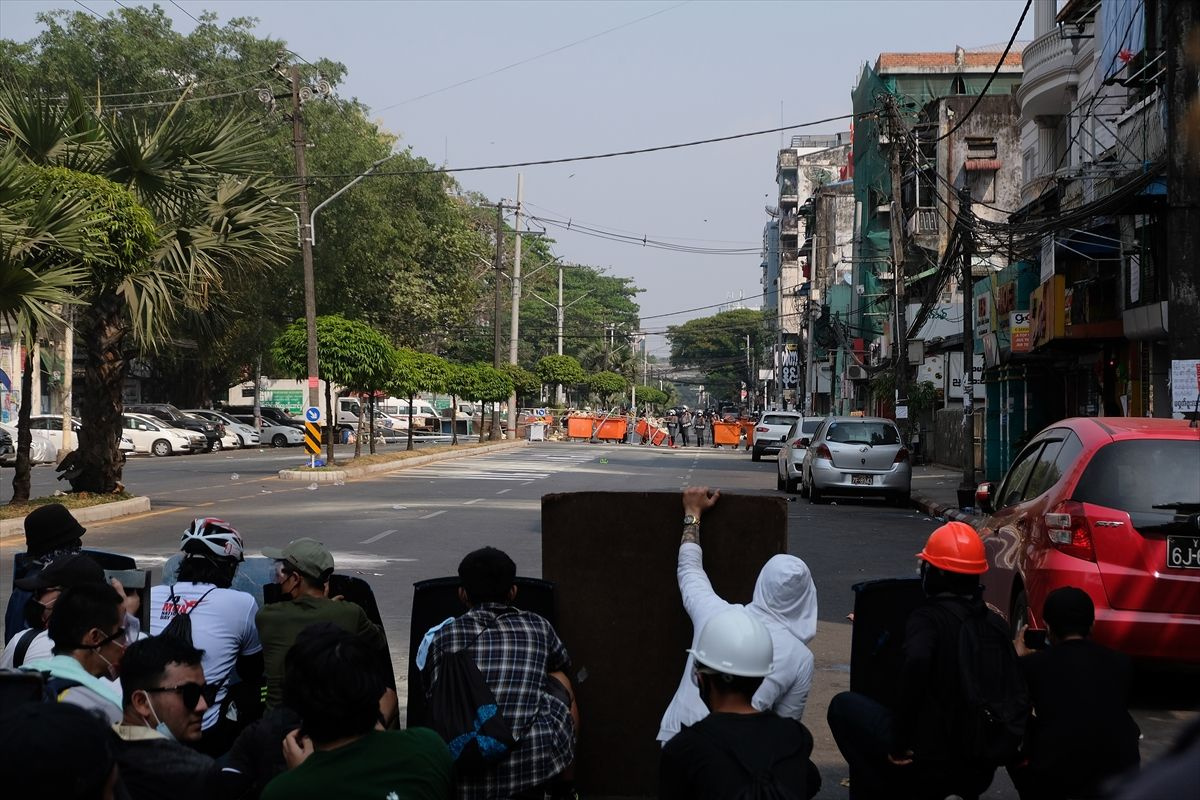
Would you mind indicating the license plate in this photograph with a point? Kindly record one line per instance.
(862, 480)
(1183, 552)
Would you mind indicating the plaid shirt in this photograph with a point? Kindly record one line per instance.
(515, 655)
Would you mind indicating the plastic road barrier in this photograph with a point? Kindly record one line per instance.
(726, 433)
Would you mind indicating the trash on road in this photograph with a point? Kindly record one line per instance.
(312, 487)
(234, 477)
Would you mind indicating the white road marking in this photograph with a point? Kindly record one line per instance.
(377, 537)
(502, 491)
(434, 514)
(473, 502)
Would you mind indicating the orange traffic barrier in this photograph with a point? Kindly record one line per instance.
(613, 429)
(726, 433)
(580, 427)
(658, 437)
(642, 428)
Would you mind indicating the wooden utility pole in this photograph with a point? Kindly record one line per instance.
(966, 489)
(895, 136)
(310, 288)
(498, 300)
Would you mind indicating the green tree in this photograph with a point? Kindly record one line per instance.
(606, 385)
(560, 371)
(525, 382)
(415, 372)
(350, 354)
(495, 385)
(717, 347)
(461, 381)
(651, 395)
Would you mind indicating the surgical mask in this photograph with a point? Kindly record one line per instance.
(161, 727)
(35, 610)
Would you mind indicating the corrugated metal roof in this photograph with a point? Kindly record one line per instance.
(970, 60)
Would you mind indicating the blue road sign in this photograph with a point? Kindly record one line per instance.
(312, 414)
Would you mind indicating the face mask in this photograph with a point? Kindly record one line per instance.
(161, 727)
(114, 671)
(35, 611)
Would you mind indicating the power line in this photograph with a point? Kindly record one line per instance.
(85, 8)
(185, 11)
(626, 230)
(593, 157)
(524, 61)
(645, 241)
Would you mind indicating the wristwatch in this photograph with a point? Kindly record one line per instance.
(691, 519)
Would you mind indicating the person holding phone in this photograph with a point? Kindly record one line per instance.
(1081, 734)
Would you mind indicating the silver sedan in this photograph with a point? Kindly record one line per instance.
(857, 456)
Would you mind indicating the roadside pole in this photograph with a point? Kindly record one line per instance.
(966, 489)
(498, 294)
(299, 147)
(515, 322)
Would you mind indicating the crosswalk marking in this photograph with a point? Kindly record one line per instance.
(503, 467)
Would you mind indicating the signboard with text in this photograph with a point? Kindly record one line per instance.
(1020, 332)
(1185, 385)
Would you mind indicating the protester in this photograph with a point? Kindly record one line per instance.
(1082, 734)
(222, 625)
(89, 641)
(523, 663)
(917, 749)
(303, 569)
(44, 588)
(785, 601)
(334, 682)
(56, 751)
(50, 531)
(164, 696)
(736, 747)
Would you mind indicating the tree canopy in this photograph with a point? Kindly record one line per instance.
(718, 348)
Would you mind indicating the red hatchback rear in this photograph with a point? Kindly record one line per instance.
(1109, 505)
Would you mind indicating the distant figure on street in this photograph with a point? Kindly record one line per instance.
(785, 601)
(672, 427)
(685, 426)
(737, 750)
(700, 425)
(1081, 734)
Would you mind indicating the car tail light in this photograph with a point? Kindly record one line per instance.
(901, 456)
(1068, 529)
(823, 452)
(797, 443)
(762, 429)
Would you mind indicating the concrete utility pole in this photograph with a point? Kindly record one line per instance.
(1183, 178)
(966, 489)
(895, 133)
(809, 371)
(498, 294)
(68, 376)
(310, 286)
(514, 323)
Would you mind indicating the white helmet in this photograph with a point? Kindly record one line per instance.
(735, 643)
(212, 537)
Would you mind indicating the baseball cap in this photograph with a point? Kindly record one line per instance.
(307, 555)
(69, 570)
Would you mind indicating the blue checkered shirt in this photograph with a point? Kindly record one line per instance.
(515, 655)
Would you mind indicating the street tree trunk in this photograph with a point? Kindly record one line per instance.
(102, 403)
(358, 430)
(23, 472)
(453, 420)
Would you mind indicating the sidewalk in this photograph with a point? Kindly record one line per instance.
(935, 492)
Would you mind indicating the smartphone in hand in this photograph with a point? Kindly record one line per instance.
(1035, 639)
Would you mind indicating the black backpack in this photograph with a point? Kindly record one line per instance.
(464, 712)
(993, 710)
(763, 783)
(180, 625)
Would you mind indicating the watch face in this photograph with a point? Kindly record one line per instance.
(689, 520)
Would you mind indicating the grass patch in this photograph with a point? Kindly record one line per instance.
(72, 500)
(388, 458)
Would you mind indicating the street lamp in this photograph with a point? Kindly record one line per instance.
(312, 219)
(560, 312)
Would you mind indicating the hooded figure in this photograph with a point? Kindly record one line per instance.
(785, 601)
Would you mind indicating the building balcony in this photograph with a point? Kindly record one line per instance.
(787, 160)
(1049, 76)
(788, 265)
(789, 226)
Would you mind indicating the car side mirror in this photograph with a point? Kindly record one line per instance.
(804, 442)
(983, 496)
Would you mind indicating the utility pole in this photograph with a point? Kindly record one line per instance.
(514, 323)
(310, 286)
(966, 489)
(779, 401)
(498, 294)
(1182, 23)
(68, 378)
(895, 128)
(809, 371)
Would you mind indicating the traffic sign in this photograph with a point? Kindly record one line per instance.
(313, 414)
(312, 437)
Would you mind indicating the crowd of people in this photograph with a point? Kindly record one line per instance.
(225, 698)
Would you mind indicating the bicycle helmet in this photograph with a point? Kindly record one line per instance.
(212, 537)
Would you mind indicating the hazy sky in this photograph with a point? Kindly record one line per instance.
(696, 70)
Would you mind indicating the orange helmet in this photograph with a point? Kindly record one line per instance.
(955, 547)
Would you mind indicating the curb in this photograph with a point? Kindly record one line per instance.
(121, 508)
(935, 509)
(332, 476)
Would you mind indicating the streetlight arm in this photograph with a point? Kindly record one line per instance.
(577, 299)
(550, 263)
(312, 218)
(544, 300)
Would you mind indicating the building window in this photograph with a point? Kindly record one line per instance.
(982, 184)
(981, 147)
(1029, 164)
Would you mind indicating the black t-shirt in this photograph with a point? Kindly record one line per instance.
(701, 762)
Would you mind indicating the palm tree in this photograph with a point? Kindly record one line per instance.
(43, 244)
(203, 187)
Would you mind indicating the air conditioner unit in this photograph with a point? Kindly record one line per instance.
(856, 373)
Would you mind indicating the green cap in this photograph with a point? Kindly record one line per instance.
(306, 555)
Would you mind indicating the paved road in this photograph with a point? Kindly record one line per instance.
(400, 527)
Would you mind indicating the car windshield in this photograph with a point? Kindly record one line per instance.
(810, 425)
(777, 419)
(872, 433)
(1137, 475)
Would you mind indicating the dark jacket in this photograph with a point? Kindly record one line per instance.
(152, 766)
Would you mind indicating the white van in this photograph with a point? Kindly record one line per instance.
(424, 415)
(348, 411)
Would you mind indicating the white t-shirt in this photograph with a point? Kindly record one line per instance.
(42, 646)
(222, 626)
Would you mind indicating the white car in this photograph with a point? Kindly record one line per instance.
(50, 426)
(791, 454)
(152, 435)
(246, 435)
(278, 435)
(42, 449)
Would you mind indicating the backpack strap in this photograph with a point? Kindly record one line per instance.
(23, 643)
(176, 598)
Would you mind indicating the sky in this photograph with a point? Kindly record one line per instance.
(670, 72)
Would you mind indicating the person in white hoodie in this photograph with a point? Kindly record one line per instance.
(785, 601)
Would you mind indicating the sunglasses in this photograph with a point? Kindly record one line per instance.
(117, 636)
(191, 693)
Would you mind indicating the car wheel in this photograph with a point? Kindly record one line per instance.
(803, 484)
(279, 440)
(780, 483)
(755, 455)
(790, 485)
(241, 441)
(901, 499)
(161, 447)
(215, 446)
(1020, 612)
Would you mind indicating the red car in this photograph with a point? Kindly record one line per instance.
(1108, 504)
